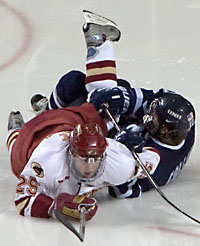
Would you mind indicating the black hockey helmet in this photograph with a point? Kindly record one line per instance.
(171, 111)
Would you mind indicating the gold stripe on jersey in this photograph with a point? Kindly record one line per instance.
(98, 71)
(12, 137)
(22, 204)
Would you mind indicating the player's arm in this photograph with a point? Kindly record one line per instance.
(134, 187)
(150, 158)
(148, 155)
(141, 98)
(134, 101)
(29, 199)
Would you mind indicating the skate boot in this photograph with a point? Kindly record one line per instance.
(98, 29)
(15, 120)
(38, 103)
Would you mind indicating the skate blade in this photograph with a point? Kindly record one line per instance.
(91, 17)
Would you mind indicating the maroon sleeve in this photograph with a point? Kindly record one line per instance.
(41, 205)
(39, 208)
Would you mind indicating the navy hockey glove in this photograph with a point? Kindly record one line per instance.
(117, 98)
(131, 140)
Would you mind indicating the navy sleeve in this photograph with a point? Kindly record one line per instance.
(140, 100)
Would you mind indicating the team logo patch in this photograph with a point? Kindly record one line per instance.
(39, 172)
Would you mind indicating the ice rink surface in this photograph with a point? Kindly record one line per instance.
(40, 41)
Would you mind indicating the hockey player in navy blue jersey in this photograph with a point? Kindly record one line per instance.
(165, 121)
(160, 120)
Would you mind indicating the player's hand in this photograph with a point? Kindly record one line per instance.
(71, 205)
(131, 140)
(117, 98)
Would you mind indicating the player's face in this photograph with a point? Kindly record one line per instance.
(85, 167)
(152, 123)
(155, 126)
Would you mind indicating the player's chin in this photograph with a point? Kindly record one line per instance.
(152, 132)
(88, 175)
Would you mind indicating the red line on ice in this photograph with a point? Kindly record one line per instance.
(175, 231)
(26, 39)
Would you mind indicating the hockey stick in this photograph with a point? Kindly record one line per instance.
(137, 158)
(63, 219)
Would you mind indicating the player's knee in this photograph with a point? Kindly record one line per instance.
(71, 86)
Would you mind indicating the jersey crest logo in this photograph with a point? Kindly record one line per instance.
(39, 172)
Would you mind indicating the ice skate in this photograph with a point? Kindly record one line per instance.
(15, 120)
(38, 103)
(98, 29)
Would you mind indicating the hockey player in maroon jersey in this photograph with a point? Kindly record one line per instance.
(61, 157)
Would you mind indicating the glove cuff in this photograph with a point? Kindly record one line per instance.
(51, 210)
(126, 97)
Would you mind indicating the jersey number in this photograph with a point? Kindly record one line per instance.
(31, 186)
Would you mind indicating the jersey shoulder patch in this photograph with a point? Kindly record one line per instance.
(39, 172)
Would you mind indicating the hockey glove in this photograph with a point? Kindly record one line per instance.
(70, 206)
(117, 98)
(131, 140)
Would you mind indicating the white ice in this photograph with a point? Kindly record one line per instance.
(40, 41)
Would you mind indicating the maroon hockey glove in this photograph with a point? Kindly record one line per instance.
(70, 206)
